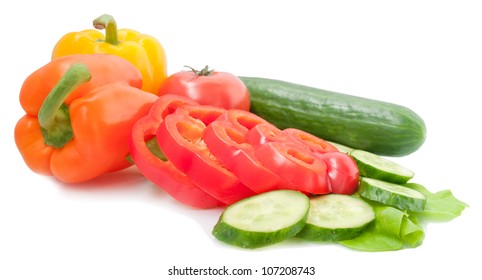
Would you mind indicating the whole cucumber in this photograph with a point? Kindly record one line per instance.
(375, 126)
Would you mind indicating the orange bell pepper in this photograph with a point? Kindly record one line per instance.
(80, 110)
(142, 50)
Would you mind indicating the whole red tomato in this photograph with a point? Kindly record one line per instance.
(208, 87)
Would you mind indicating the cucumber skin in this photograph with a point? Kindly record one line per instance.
(251, 240)
(368, 171)
(407, 203)
(375, 126)
(313, 233)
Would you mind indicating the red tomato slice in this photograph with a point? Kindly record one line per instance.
(180, 138)
(229, 146)
(242, 120)
(295, 164)
(316, 144)
(266, 132)
(343, 173)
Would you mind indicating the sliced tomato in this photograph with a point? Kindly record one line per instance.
(343, 173)
(296, 164)
(316, 144)
(229, 146)
(180, 137)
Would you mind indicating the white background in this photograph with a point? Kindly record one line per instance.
(425, 55)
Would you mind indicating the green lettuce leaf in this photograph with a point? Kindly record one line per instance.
(441, 206)
(411, 232)
(392, 230)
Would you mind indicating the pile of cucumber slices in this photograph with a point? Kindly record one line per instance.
(385, 207)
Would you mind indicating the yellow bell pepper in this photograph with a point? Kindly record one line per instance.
(142, 50)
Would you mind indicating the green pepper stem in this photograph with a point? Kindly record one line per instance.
(108, 23)
(53, 116)
(154, 148)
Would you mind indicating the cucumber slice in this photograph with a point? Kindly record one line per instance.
(336, 217)
(391, 194)
(377, 167)
(263, 219)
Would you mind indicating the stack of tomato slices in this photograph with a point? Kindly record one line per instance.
(211, 157)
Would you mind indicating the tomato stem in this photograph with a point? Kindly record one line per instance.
(53, 116)
(108, 23)
(204, 72)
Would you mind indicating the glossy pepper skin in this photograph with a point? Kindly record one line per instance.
(144, 51)
(159, 170)
(83, 133)
(180, 137)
